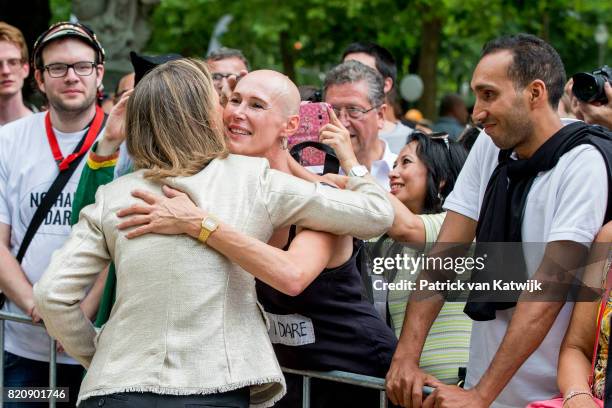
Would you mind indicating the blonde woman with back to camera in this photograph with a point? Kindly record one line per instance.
(185, 327)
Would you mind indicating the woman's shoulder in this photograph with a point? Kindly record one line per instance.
(129, 180)
(240, 161)
(234, 167)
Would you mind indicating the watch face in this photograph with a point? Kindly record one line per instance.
(359, 171)
(210, 224)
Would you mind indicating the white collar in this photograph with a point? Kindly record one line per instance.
(388, 157)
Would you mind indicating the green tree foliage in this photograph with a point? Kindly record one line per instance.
(305, 38)
(60, 10)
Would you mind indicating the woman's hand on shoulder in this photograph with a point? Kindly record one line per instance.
(171, 214)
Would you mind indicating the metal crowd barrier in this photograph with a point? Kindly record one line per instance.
(346, 378)
(52, 353)
(336, 376)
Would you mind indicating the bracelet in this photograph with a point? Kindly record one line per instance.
(573, 394)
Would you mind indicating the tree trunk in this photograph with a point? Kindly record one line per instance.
(431, 31)
(545, 30)
(287, 55)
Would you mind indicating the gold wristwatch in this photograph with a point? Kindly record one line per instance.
(209, 225)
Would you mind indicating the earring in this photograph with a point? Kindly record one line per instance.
(283, 143)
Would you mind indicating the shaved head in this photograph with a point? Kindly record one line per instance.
(261, 114)
(279, 87)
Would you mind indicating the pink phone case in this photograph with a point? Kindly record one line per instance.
(313, 116)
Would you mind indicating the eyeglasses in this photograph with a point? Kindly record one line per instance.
(12, 63)
(352, 111)
(440, 136)
(218, 76)
(59, 70)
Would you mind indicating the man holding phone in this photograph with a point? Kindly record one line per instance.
(356, 94)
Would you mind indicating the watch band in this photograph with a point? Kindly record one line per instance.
(209, 225)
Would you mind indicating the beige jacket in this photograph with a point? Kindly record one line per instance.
(186, 319)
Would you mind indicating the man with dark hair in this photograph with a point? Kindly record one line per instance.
(381, 60)
(453, 116)
(374, 56)
(40, 164)
(225, 64)
(526, 169)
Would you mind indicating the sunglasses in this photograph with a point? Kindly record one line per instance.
(440, 136)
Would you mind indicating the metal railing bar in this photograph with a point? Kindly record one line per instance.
(346, 378)
(2, 362)
(342, 377)
(305, 392)
(14, 317)
(52, 370)
(19, 318)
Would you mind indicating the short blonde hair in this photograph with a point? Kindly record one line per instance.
(14, 36)
(172, 124)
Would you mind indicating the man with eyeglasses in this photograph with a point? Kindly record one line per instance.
(355, 92)
(394, 132)
(226, 65)
(41, 155)
(14, 69)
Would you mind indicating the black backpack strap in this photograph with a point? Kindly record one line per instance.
(331, 165)
(47, 202)
(50, 197)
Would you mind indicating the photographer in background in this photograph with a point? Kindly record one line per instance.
(593, 96)
(598, 113)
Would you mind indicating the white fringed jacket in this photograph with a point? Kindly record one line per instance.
(186, 319)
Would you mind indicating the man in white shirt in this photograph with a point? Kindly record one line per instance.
(35, 149)
(355, 92)
(14, 69)
(518, 83)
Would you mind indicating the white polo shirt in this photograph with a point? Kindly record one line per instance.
(381, 168)
(397, 137)
(565, 203)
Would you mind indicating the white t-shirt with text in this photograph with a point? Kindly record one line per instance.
(27, 170)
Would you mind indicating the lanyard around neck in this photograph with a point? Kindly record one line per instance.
(90, 137)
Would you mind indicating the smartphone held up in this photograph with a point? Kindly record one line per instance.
(313, 116)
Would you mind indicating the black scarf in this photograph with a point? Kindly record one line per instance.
(501, 215)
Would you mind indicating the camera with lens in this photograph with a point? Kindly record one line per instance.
(589, 87)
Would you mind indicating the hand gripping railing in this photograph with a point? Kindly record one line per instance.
(346, 378)
(52, 354)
